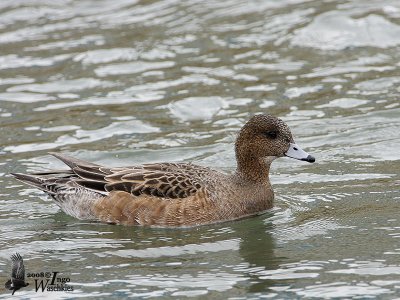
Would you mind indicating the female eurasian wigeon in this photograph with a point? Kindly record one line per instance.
(174, 194)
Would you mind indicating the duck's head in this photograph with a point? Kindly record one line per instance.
(265, 137)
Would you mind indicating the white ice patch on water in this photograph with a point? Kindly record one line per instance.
(335, 31)
(197, 108)
(344, 103)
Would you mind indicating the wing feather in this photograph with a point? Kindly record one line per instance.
(156, 180)
(164, 180)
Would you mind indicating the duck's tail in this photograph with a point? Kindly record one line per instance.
(32, 180)
(47, 182)
(73, 199)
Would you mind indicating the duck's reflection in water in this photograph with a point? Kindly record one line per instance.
(218, 257)
(257, 249)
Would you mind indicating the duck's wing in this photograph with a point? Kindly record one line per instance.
(166, 180)
(161, 180)
(18, 268)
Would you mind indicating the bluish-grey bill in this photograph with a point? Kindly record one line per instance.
(296, 152)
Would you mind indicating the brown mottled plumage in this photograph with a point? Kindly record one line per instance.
(174, 194)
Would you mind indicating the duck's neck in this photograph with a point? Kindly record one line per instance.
(253, 169)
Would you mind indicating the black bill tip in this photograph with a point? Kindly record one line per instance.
(309, 159)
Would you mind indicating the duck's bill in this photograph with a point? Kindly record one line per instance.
(298, 153)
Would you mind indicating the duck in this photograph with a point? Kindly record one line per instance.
(173, 194)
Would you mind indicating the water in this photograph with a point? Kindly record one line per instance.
(125, 82)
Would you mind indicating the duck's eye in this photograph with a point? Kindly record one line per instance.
(271, 134)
